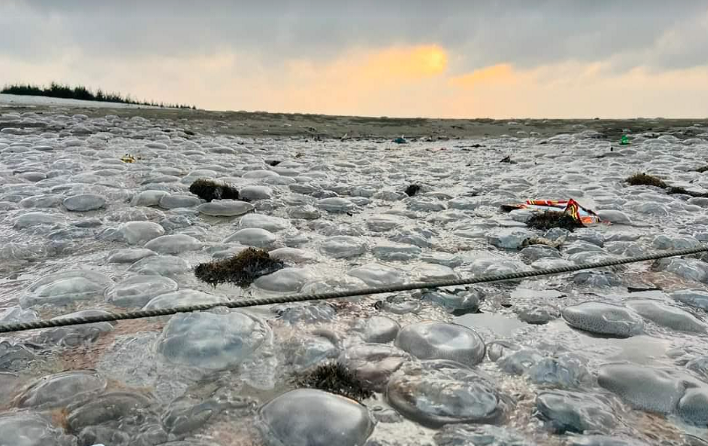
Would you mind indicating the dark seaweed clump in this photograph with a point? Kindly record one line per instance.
(642, 179)
(334, 377)
(273, 163)
(677, 190)
(241, 269)
(552, 219)
(412, 190)
(702, 169)
(211, 190)
(510, 207)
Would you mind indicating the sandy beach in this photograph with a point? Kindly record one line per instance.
(99, 214)
(254, 124)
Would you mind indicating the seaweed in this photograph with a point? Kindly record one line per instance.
(677, 190)
(334, 377)
(211, 190)
(510, 207)
(412, 190)
(642, 179)
(507, 160)
(241, 269)
(273, 163)
(543, 241)
(553, 219)
(702, 169)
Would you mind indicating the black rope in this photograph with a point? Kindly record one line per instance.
(25, 326)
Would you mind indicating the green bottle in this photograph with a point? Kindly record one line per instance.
(624, 140)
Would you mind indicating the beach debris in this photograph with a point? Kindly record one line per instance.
(578, 214)
(469, 146)
(553, 219)
(273, 163)
(678, 190)
(642, 179)
(702, 169)
(335, 378)
(212, 190)
(557, 243)
(130, 159)
(400, 140)
(507, 160)
(412, 190)
(242, 269)
(624, 140)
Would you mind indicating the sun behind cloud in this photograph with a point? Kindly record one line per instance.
(403, 63)
(399, 80)
(432, 59)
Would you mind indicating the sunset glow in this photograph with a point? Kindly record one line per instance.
(463, 61)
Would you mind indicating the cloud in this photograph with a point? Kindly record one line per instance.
(359, 80)
(407, 81)
(496, 74)
(582, 90)
(486, 32)
(512, 58)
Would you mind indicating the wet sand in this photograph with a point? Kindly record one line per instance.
(259, 124)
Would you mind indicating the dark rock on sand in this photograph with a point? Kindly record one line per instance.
(211, 190)
(412, 190)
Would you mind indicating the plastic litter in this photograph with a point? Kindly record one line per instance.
(572, 207)
(624, 140)
(400, 140)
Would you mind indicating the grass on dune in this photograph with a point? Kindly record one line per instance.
(56, 90)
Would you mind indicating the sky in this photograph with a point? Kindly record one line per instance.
(397, 58)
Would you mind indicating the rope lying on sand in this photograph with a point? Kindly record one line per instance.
(25, 326)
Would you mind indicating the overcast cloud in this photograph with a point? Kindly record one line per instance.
(102, 42)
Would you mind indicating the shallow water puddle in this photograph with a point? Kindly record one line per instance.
(500, 325)
(642, 349)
